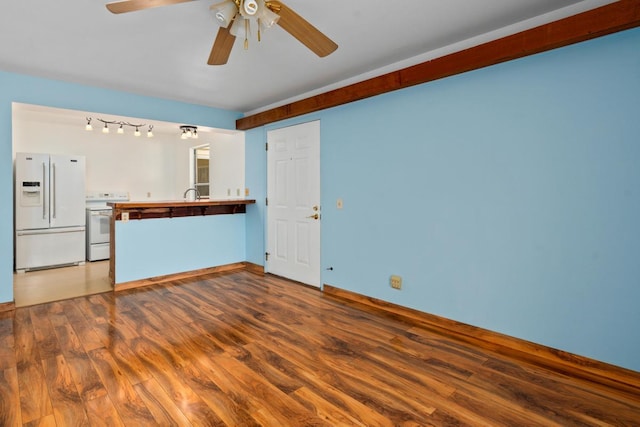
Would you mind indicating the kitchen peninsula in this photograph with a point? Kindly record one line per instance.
(163, 238)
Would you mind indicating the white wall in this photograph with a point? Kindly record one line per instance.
(226, 165)
(148, 168)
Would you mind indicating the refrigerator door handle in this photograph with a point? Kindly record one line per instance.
(53, 191)
(44, 204)
(49, 231)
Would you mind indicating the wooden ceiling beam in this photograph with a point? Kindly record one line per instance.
(608, 19)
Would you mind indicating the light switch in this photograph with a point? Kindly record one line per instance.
(339, 204)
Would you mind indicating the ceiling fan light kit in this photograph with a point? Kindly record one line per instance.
(235, 20)
(244, 14)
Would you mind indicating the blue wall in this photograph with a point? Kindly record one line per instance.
(157, 247)
(507, 198)
(26, 89)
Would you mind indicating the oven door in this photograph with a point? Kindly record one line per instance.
(99, 222)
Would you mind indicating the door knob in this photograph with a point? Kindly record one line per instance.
(314, 216)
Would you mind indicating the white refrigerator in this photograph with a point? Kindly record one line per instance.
(49, 210)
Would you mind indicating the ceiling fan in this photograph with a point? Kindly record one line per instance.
(237, 17)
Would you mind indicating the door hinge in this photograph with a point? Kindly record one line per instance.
(266, 146)
(266, 256)
(266, 201)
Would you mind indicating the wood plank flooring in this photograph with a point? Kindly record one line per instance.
(238, 349)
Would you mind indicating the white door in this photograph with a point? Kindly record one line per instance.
(293, 210)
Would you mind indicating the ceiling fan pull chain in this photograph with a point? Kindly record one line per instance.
(246, 34)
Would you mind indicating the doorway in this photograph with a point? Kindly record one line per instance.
(293, 203)
(200, 160)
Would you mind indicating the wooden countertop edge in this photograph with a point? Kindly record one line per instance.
(179, 203)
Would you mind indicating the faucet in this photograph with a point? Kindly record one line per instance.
(184, 196)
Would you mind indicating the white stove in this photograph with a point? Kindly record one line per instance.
(99, 222)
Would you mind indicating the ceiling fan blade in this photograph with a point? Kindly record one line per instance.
(221, 47)
(302, 30)
(133, 5)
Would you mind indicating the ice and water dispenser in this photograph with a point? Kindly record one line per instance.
(31, 193)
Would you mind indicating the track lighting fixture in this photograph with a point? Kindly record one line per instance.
(188, 132)
(121, 124)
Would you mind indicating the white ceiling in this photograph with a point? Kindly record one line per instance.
(162, 52)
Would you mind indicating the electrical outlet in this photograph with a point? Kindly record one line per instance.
(396, 282)
(125, 216)
(339, 204)
(246, 191)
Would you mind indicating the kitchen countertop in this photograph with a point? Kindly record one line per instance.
(123, 211)
(178, 203)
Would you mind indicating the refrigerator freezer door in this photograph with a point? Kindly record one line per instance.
(48, 248)
(32, 191)
(67, 176)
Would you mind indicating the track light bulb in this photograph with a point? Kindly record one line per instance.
(105, 129)
(88, 125)
(137, 132)
(120, 129)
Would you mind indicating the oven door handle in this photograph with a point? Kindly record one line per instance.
(101, 213)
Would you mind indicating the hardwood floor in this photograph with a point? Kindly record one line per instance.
(238, 349)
